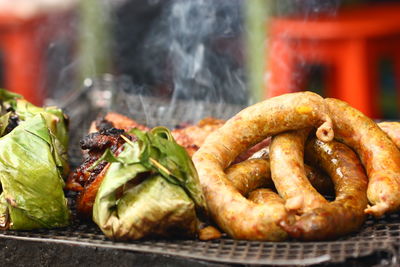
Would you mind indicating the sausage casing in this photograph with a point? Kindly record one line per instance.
(392, 129)
(265, 195)
(237, 216)
(288, 173)
(377, 152)
(346, 213)
(251, 174)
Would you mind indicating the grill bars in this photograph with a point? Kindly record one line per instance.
(381, 235)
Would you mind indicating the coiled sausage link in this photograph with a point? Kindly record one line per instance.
(377, 152)
(251, 174)
(346, 213)
(237, 216)
(265, 195)
(288, 173)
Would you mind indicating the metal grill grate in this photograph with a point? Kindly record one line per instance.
(376, 235)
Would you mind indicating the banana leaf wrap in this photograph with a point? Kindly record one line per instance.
(150, 189)
(33, 160)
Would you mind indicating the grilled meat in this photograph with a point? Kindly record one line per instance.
(106, 133)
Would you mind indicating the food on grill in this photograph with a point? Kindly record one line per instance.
(251, 174)
(151, 188)
(191, 137)
(264, 195)
(118, 121)
(392, 129)
(209, 233)
(237, 216)
(33, 161)
(377, 152)
(288, 173)
(346, 213)
(87, 178)
(139, 197)
(106, 133)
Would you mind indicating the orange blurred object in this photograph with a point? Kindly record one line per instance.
(349, 44)
(23, 44)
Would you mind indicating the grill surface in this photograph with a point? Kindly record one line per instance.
(377, 235)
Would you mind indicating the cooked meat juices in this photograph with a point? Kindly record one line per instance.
(377, 152)
(346, 213)
(237, 216)
(288, 173)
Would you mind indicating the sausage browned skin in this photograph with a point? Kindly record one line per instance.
(265, 195)
(237, 216)
(392, 129)
(319, 180)
(377, 152)
(251, 174)
(346, 213)
(288, 174)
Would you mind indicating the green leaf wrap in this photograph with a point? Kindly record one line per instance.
(30, 175)
(151, 190)
(33, 160)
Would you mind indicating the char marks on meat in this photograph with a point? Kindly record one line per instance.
(13, 122)
(102, 124)
(95, 144)
(101, 140)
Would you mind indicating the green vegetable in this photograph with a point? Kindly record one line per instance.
(33, 160)
(150, 189)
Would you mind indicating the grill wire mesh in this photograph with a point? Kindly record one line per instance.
(377, 235)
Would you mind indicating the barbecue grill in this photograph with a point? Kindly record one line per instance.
(378, 239)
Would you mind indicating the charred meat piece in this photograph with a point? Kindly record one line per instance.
(102, 124)
(101, 140)
(13, 122)
(86, 179)
(96, 144)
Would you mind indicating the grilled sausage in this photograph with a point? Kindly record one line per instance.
(237, 216)
(288, 174)
(392, 129)
(319, 180)
(346, 213)
(265, 195)
(251, 174)
(377, 152)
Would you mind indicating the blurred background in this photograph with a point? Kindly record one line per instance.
(227, 51)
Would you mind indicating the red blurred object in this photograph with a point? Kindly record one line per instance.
(349, 44)
(24, 43)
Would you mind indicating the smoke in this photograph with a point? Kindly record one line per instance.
(186, 50)
(191, 50)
